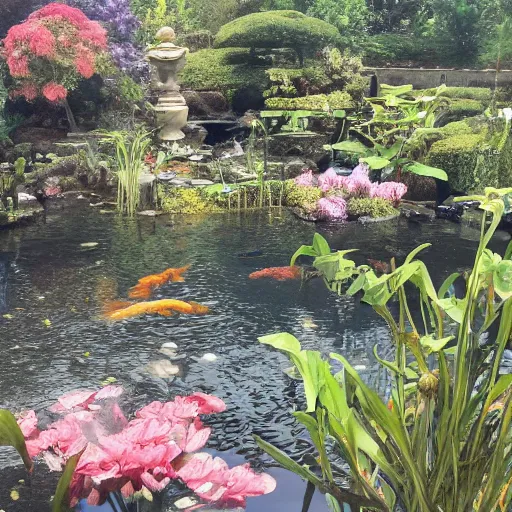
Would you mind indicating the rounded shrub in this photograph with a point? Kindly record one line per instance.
(278, 29)
(302, 197)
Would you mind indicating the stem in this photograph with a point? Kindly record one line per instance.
(73, 127)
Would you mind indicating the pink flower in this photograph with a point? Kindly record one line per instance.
(332, 208)
(390, 190)
(54, 92)
(358, 183)
(18, 66)
(192, 438)
(84, 61)
(207, 404)
(28, 424)
(329, 180)
(305, 179)
(42, 42)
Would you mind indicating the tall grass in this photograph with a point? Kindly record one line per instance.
(130, 148)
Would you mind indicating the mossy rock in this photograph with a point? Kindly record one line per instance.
(303, 198)
(370, 207)
(278, 29)
(184, 200)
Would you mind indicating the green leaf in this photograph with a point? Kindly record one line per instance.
(447, 284)
(357, 285)
(11, 435)
(502, 279)
(332, 503)
(351, 146)
(391, 152)
(376, 162)
(61, 498)
(304, 250)
(282, 341)
(398, 90)
(508, 252)
(426, 170)
(453, 307)
(433, 345)
(320, 245)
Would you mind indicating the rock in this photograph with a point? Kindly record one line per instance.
(209, 358)
(296, 166)
(26, 198)
(185, 502)
(195, 135)
(162, 368)
(180, 182)
(201, 183)
(24, 150)
(308, 146)
(150, 213)
(450, 212)
(62, 149)
(308, 217)
(169, 352)
(207, 104)
(170, 344)
(417, 213)
(419, 188)
(89, 245)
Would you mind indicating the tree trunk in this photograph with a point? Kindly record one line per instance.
(71, 118)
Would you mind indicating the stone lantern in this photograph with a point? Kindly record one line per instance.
(166, 61)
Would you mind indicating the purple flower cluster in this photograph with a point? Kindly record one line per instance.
(390, 190)
(122, 25)
(332, 208)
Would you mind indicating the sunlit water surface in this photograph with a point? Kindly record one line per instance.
(45, 274)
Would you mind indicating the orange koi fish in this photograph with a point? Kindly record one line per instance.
(164, 307)
(277, 273)
(145, 286)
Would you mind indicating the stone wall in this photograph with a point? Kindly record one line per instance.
(428, 78)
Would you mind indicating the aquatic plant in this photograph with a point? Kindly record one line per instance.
(374, 207)
(277, 273)
(184, 200)
(440, 439)
(51, 52)
(146, 285)
(131, 149)
(107, 453)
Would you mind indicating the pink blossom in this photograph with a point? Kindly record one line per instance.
(42, 41)
(358, 183)
(390, 190)
(332, 208)
(54, 92)
(206, 404)
(18, 66)
(329, 180)
(28, 424)
(305, 179)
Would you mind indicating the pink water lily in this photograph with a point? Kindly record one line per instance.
(144, 454)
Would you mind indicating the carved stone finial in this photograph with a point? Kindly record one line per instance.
(166, 35)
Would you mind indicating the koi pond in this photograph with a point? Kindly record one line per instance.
(56, 277)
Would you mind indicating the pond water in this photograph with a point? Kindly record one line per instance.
(45, 274)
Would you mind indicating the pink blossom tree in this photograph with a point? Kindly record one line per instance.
(51, 52)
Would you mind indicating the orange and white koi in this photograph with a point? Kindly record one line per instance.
(164, 307)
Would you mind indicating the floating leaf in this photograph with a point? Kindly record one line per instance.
(8, 316)
(89, 245)
(15, 495)
(108, 380)
(47, 322)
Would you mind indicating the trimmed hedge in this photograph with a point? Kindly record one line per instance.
(226, 70)
(467, 93)
(277, 29)
(335, 100)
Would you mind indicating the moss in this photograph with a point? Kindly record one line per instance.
(470, 163)
(301, 197)
(277, 29)
(370, 207)
(67, 183)
(335, 100)
(184, 200)
(225, 70)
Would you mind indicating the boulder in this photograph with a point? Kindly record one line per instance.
(308, 146)
(296, 166)
(417, 213)
(207, 104)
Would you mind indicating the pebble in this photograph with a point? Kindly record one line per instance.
(88, 245)
(162, 368)
(209, 358)
(185, 502)
(170, 344)
(169, 352)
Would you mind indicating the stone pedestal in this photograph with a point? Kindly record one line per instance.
(166, 60)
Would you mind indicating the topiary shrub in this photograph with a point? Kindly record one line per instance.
(278, 29)
(460, 109)
(228, 70)
(471, 163)
(370, 207)
(469, 93)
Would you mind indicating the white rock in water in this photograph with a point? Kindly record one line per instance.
(185, 502)
(359, 367)
(88, 245)
(169, 344)
(162, 368)
(23, 197)
(209, 358)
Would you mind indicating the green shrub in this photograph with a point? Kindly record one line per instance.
(278, 29)
(460, 109)
(225, 70)
(471, 163)
(324, 102)
(301, 197)
(468, 93)
(370, 207)
(184, 200)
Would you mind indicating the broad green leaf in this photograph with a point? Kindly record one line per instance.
(502, 279)
(445, 287)
(357, 285)
(351, 146)
(376, 162)
(304, 250)
(335, 267)
(433, 345)
(282, 341)
(453, 307)
(415, 252)
(11, 435)
(320, 245)
(61, 498)
(391, 152)
(426, 170)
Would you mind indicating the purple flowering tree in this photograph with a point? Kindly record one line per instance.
(122, 26)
